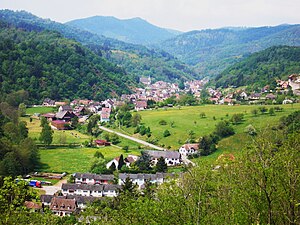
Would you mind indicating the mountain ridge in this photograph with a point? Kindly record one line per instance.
(134, 30)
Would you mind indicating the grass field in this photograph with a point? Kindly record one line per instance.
(188, 118)
(41, 110)
(73, 160)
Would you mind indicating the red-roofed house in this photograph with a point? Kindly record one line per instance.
(141, 105)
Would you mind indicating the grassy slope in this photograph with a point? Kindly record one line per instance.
(72, 160)
(187, 118)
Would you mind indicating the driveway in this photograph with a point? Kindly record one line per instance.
(52, 189)
(133, 139)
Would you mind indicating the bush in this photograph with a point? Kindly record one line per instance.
(223, 129)
(167, 133)
(162, 122)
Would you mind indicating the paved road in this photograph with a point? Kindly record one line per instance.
(133, 139)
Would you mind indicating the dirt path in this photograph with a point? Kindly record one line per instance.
(133, 139)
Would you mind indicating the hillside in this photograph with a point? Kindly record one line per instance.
(262, 68)
(47, 65)
(166, 68)
(135, 30)
(213, 50)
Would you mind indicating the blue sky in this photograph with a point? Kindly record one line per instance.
(184, 15)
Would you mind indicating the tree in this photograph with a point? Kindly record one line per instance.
(250, 130)
(22, 109)
(162, 122)
(46, 135)
(207, 144)
(263, 109)
(98, 155)
(161, 165)
(254, 112)
(202, 115)
(126, 148)
(114, 138)
(166, 133)
(112, 167)
(223, 129)
(121, 162)
(271, 112)
(143, 163)
(136, 120)
(237, 118)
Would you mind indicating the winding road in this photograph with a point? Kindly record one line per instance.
(132, 138)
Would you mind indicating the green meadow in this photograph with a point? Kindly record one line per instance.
(78, 159)
(181, 121)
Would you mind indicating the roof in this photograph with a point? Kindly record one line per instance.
(32, 205)
(49, 115)
(100, 187)
(66, 108)
(106, 110)
(78, 198)
(64, 114)
(145, 176)
(189, 146)
(94, 176)
(164, 154)
(62, 204)
(141, 104)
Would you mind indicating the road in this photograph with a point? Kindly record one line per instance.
(133, 139)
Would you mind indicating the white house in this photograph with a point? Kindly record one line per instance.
(100, 190)
(189, 149)
(140, 178)
(172, 158)
(91, 179)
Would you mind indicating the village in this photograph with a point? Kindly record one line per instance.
(85, 188)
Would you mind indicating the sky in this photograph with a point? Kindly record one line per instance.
(183, 15)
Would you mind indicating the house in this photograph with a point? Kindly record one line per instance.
(63, 207)
(172, 158)
(140, 105)
(294, 82)
(108, 103)
(102, 143)
(60, 103)
(128, 161)
(141, 178)
(105, 114)
(49, 116)
(80, 110)
(59, 125)
(65, 108)
(145, 80)
(33, 206)
(48, 102)
(244, 96)
(65, 115)
(271, 96)
(188, 149)
(89, 178)
(99, 190)
(82, 201)
(255, 96)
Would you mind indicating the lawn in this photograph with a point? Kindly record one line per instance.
(59, 136)
(73, 160)
(41, 110)
(188, 118)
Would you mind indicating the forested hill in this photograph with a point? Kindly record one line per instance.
(262, 68)
(136, 60)
(135, 30)
(47, 65)
(213, 50)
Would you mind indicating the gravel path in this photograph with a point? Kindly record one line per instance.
(133, 139)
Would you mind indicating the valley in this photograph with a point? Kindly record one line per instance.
(133, 123)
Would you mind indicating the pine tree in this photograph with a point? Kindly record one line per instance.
(161, 165)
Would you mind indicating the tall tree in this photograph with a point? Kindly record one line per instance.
(46, 135)
(161, 165)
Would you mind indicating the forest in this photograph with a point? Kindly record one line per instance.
(262, 68)
(47, 65)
